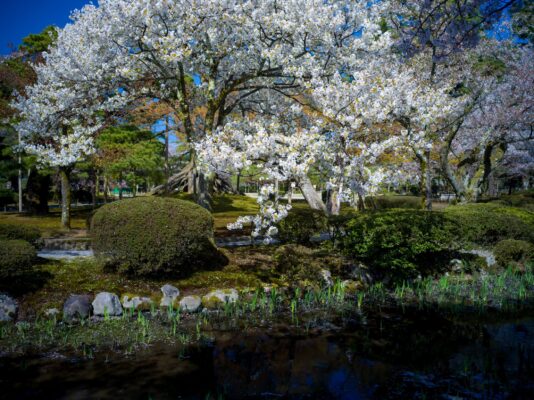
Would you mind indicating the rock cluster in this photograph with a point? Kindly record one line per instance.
(219, 297)
(82, 306)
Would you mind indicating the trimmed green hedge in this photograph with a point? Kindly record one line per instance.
(388, 201)
(301, 225)
(17, 258)
(523, 200)
(513, 251)
(155, 236)
(487, 224)
(400, 243)
(19, 232)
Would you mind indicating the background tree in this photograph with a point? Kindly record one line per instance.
(16, 73)
(126, 153)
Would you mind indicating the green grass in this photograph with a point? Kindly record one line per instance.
(49, 225)
(54, 281)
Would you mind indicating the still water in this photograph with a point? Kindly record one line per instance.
(407, 356)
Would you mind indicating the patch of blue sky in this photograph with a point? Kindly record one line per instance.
(159, 127)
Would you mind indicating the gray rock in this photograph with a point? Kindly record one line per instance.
(190, 304)
(487, 254)
(351, 286)
(170, 293)
(107, 303)
(137, 303)
(77, 306)
(456, 265)
(8, 308)
(360, 272)
(219, 297)
(52, 312)
(327, 277)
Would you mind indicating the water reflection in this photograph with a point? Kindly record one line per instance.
(424, 357)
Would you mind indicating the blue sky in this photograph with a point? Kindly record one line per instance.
(18, 18)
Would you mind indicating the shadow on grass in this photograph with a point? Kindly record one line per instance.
(29, 282)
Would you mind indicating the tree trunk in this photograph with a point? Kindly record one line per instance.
(94, 190)
(191, 181)
(289, 193)
(238, 182)
(457, 186)
(332, 202)
(428, 183)
(203, 189)
(167, 166)
(64, 174)
(361, 203)
(308, 191)
(43, 193)
(106, 188)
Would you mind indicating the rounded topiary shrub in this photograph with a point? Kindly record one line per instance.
(17, 258)
(301, 225)
(155, 236)
(14, 232)
(513, 251)
(401, 244)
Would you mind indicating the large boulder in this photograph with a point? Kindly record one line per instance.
(190, 304)
(76, 307)
(8, 308)
(218, 298)
(106, 303)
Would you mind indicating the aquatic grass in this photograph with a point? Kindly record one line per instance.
(508, 291)
(360, 297)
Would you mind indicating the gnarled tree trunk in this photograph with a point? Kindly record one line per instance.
(312, 197)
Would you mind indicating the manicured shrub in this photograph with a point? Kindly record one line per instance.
(487, 224)
(155, 236)
(301, 225)
(387, 202)
(337, 225)
(14, 232)
(523, 200)
(401, 244)
(513, 251)
(17, 258)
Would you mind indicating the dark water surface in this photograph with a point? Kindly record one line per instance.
(390, 357)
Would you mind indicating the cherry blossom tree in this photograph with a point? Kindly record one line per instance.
(287, 87)
(237, 51)
(498, 128)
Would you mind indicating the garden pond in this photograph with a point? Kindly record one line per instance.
(387, 354)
